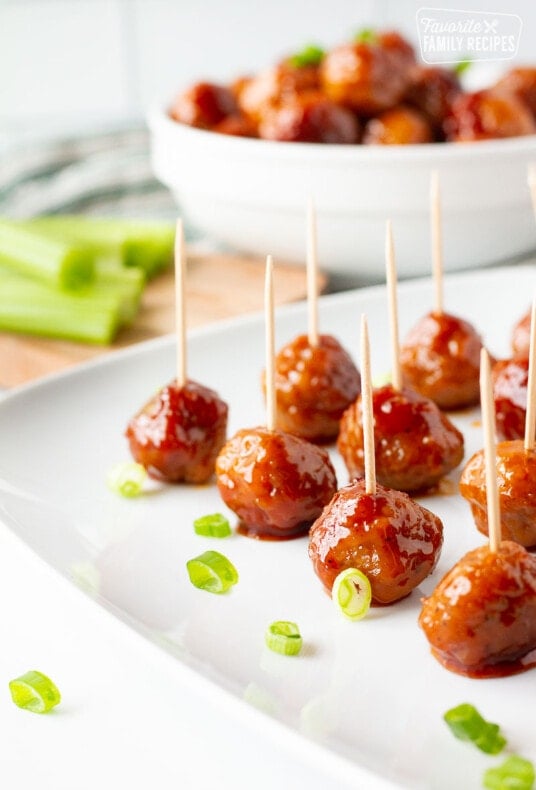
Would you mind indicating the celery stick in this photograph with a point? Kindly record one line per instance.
(30, 307)
(146, 244)
(58, 263)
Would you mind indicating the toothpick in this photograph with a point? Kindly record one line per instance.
(312, 275)
(437, 240)
(180, 303)
(269, 344)
(490, 453)
(531, 178)
(530, 415)
(366, 408)
(390, 267)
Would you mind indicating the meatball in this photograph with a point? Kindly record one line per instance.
(204, 105)
(314, 385)
(393, 540)
(516, 480)
(509, 381)
(432, 91)
(481, 618)
(276, 483)
(368, 76)
(488, 114)
(236, 126)
(521, 81)
(414, 443)
(441, 359)
(177, 435)
(399, 126)
(274, 86)
(521, 336)
(309, 118)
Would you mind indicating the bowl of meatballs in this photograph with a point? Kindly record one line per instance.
(359, 129)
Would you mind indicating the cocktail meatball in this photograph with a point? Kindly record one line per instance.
(509, 379)
(204, 105)
(309, 118)
(399, 126)
(486, 115)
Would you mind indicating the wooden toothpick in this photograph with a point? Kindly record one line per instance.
(269, 344)
(369, 458)
(390, 267)
(490, 453)
(530, 415)
(437, 240)
(312, 275)
(180, 303)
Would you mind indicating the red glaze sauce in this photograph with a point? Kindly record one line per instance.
(521, 337)
(509, 381)
(481, 618)
(314, 385)
(177, 435)
(414, 443)
(276, 483)
(516, 480)
(440, 358)
(393, 540)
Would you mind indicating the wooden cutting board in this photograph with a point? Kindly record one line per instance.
(218, 286)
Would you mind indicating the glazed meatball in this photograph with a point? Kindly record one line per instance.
(488, 115)
(276, 483)
(274, 86)
(516, 480)
(440, 358)
(521, 81)
(177, 435)
(236, 126)
(393, 540)
(415, 445)
(481, 618)
(204, 105)
(368, 76)
(509, 381)
(314, 385)
(309, 118)
(399, 126)
(432, 91)
(521, 337)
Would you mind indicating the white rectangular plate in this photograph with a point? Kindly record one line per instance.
(368, 697)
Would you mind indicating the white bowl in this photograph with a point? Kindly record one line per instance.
(252, 195)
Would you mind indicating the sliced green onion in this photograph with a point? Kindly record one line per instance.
(127, 478)
(310, 55)
(55, 262)
(467, 724)
(515, 773)
(213, 572)
(35, 692)
(284, 637)
(366, 36)
(352, 593)
(213, 526)
(461, 67)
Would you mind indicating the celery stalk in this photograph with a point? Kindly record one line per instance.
(58, 263)
(30, 307)
(147, 245)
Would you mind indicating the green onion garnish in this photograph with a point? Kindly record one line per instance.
(461, 67)
(467, 724)
(366, 36)
(352, 593)
(35, 692)
(211, 571)
(515, 773)
(127, 478)
(311, 55)
(284, 637)
(212, 526)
